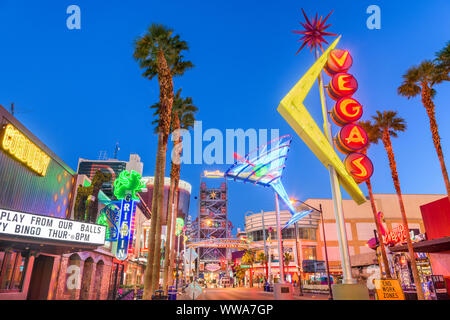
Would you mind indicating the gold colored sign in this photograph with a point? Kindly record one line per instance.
(213, 174)
(22, 149)
(389, 290)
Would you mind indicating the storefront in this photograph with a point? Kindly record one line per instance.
(432, 254)
(36, 195)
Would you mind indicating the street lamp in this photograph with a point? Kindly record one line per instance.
(324, 242)
(299, 269)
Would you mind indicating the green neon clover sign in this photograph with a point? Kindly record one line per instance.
(128, 183)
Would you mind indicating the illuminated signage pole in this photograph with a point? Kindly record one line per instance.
(264, 238)
(280, 246)
(336, 191)
(126, 187)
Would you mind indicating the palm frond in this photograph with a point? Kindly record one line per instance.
(185, 109)
(389, 121)
(160, 38)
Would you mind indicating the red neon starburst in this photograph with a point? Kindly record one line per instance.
(314, 32)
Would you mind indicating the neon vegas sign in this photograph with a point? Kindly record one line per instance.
(22, 149)
(212, 267)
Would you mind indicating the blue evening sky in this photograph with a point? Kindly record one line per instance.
(80, 91)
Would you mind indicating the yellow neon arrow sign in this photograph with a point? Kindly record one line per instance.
(295, 113)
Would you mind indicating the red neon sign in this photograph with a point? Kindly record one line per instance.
(346, 110)
(338, 61)
(351, 138)
(396, 235)
(342, 85)
(359, 167)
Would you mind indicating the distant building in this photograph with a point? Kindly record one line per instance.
(184, 195)
(111, 166)
(359, 224)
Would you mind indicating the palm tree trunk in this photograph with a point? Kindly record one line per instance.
(170, 221)
(388, 146)
(166, 100)
(174, 179)
(380, 235)
(267, 269)
(148, 274)
(429, 106)
(172, 264)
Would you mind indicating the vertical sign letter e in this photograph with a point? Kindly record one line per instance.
(374, 21)
(74, 20)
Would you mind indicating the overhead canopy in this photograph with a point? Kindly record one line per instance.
(429, 246)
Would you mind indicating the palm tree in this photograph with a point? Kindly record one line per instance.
(372, 134)
(286, 259)
(387, 124)
(249, 259)
(159, 53)
(183, 117)
(239, 272)
(443, 59)
(421, 80)
(264, 259)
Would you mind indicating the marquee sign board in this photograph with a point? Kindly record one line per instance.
(48, 228)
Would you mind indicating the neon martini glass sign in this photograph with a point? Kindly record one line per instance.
(264, 166)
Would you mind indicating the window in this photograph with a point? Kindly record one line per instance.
(12, 270)
(307, 233)
(288, 233)
(257, 235)
(309, 253)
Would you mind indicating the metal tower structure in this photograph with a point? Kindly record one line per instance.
(212, 220)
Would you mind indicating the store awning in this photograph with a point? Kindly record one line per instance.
(48, 246)
(429, 246)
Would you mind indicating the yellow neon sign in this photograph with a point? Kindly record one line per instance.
(295, 113)
(22, 149)
(213, 174)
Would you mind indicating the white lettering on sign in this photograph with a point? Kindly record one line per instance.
(43, 227)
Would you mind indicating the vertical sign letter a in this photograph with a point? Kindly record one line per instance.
(74, 20)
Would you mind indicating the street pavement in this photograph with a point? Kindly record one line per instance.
(246, 294)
